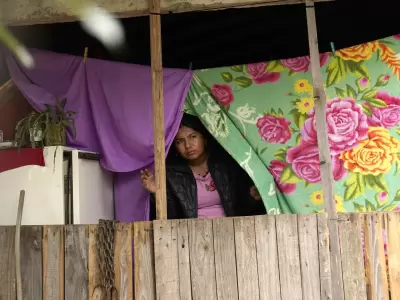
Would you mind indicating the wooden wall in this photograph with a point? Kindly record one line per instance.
(265, 257)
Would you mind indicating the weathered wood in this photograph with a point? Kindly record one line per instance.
(267, 258)
(393, 234)
(202, 266)
(324, 258)
(123, 261)
(76, 262)
(377, 285)
(23, 12)
(185, 286)
(95, 289)
(289, 258)
(7, 263)
(31, 262)
(53, 262)
(309, 256)
(225, 259)
(144, 287)
(166, 260)
(246, 258)
(352, 257)
(327, 180)
(158, 108)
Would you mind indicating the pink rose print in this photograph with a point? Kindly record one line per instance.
(347, 125)
(222, 93)
(388, 116)
(396, 36)
(302, 64)
(259, 75)
(274, 130)
(304, 159)
(276, 168)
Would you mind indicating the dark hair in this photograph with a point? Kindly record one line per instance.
(194, 123)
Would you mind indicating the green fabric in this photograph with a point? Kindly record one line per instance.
(262, 114)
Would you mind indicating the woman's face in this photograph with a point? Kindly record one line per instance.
(190, 144)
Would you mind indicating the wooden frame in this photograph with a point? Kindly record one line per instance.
(28, 12)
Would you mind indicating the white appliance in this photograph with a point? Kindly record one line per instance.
(71, 189)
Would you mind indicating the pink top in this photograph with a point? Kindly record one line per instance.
(209, 202)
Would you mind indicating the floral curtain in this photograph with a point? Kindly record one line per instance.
(263, 115)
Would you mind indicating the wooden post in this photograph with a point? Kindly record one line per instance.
(158, 108)
(324, 153)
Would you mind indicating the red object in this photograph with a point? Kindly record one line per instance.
(13, 158)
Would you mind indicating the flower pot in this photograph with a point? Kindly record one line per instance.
(56, 135)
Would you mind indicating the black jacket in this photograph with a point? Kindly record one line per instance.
(232, 183)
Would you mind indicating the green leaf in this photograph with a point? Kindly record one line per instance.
(386, 42)
(281, 154)
(367, 110)
(377, 183)
(275, 66)
(340, 92)
(288, 176)
(397, 196)
(354, 186)
(356, 68)
(377, 103)
(237, 68)
(280, 113)
(243, 81)
(263, 150)
(302, 119)
(298, 139)
(370, 94)
(359, 208)
(389, 207)
(227, 76)
(273, 112)
(336, 71)
(291, 73)
(369, 206)
(351, 92)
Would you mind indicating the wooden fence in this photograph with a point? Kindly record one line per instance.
(265, 257)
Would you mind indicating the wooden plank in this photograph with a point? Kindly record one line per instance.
(246, 258)
(202, 267)
(166, 260)
(377, 284)
(76, 262)
(185, 286)
(393, 233)
(288, 257)
(309, 256)
(158, 108)
(95, 289)
(145, 288)
(352, 257)
(23, 12)
(31, 262)
(225, 259)
(123, 261)
(324, 258)
(7, 263)
(327, 180)
(53, 262)
(267, 258)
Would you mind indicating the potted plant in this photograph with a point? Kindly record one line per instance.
(47, 127)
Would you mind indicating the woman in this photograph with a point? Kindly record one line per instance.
(203, 182)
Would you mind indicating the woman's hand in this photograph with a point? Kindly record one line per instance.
(148, 180)
(255, 193)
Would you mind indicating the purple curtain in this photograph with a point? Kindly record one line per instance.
(114, 114)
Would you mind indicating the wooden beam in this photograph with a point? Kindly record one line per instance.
(324, 153)
(29, 12)
(158, 108)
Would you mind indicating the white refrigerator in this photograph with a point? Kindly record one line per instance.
(72, 188)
